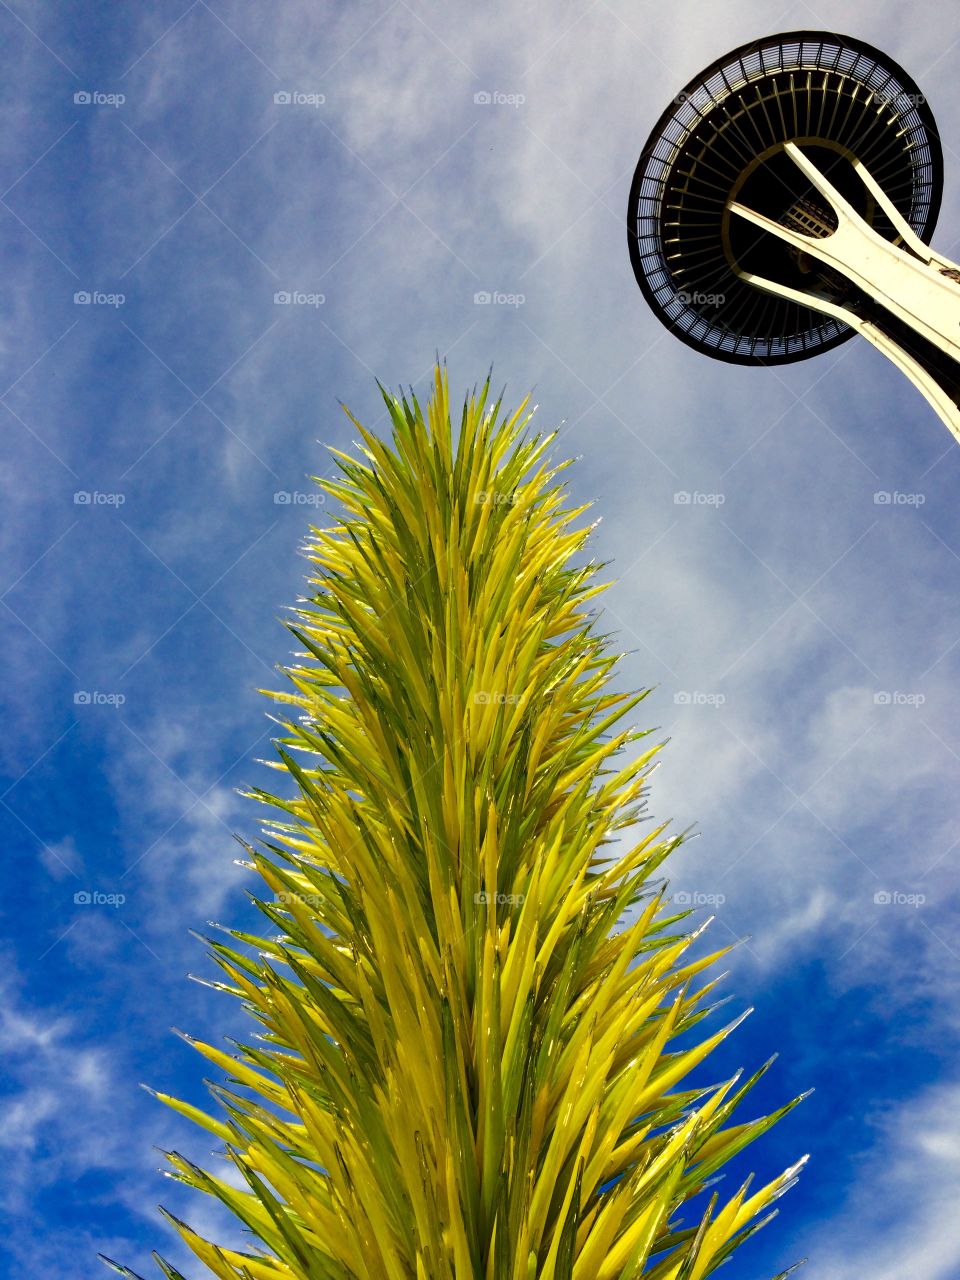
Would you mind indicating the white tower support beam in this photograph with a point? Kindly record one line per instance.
(908, 281)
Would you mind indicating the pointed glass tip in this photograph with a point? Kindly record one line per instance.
(737, 1021)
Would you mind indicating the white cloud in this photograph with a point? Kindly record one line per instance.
(901, 1219)
(24, 1117)
(59, 1116)
(62, 858)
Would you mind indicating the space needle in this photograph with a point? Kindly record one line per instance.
(785, 201)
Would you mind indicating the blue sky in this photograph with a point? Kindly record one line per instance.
(803, 640)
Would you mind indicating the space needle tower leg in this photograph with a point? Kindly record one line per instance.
(904, 298)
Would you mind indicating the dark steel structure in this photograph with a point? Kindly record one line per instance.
(745, 181)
